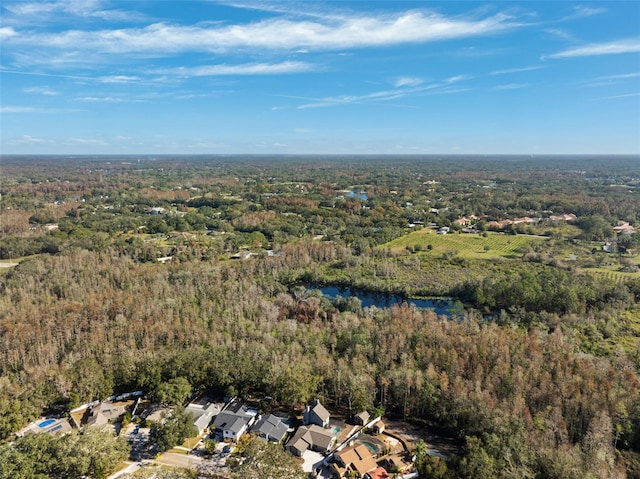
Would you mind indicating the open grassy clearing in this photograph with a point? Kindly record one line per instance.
(612, 273)
(473, 246)
(7, 264)
(629, 339)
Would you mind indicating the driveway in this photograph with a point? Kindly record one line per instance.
(179, 460)
(312, 460)
(127, 470)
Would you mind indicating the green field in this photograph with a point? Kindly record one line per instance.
(612, 273)
(7, 264)
(494, 245)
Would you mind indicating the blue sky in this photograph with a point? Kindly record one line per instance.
(100, 77)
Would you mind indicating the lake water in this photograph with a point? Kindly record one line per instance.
(353, 194)
(384, 300)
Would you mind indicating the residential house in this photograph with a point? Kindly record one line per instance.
(564, 217)
(311, 437)
(104, 412)
(378, 473)
(203, 412)
(397, 463)
(361, 418)
(316, 415)
(47, 426)
(234, 420)
(270, 428)
(464, 221)
(356, 459)
(378, 428)
(245, 254)
(624, 228)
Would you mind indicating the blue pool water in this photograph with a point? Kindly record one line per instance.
(372, 447)
(46, 422)
(371, 443)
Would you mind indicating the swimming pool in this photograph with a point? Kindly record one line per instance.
(46, 423)
(374, 445)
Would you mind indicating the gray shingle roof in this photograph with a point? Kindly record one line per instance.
(271, 428)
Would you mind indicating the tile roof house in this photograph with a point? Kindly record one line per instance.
(234, 420)
(316, 415)
(270, 428)
(356, 458)
(378, 473)
(311, 437)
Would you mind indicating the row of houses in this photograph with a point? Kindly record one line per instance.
(352, 458)
(315, 434)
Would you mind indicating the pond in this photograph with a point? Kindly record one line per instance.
(353, 194)
(441, 306)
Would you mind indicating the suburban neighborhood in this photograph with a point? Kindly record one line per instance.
(324, 446)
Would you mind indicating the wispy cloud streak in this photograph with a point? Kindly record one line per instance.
(606, 48)
(356, 31)
(509, 71)
(242, 69)
(381, 97)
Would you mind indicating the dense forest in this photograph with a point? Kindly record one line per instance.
(535, 372)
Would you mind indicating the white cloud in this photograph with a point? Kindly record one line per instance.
(41, 90)
(623, 76)
(515, 70)
(36, 11)
(606, 48)
(7, 32)
(626, 95)
(407, 81)
(30, 139)
(581, 11)
(88, 141)
(458, 78)
(22, 109)
(118, 79)
(511, 86)
(611, 79)
(380, 96)
(108, 99)
(97, 99)
(356, 31)
(558, 32)
(243, 69)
